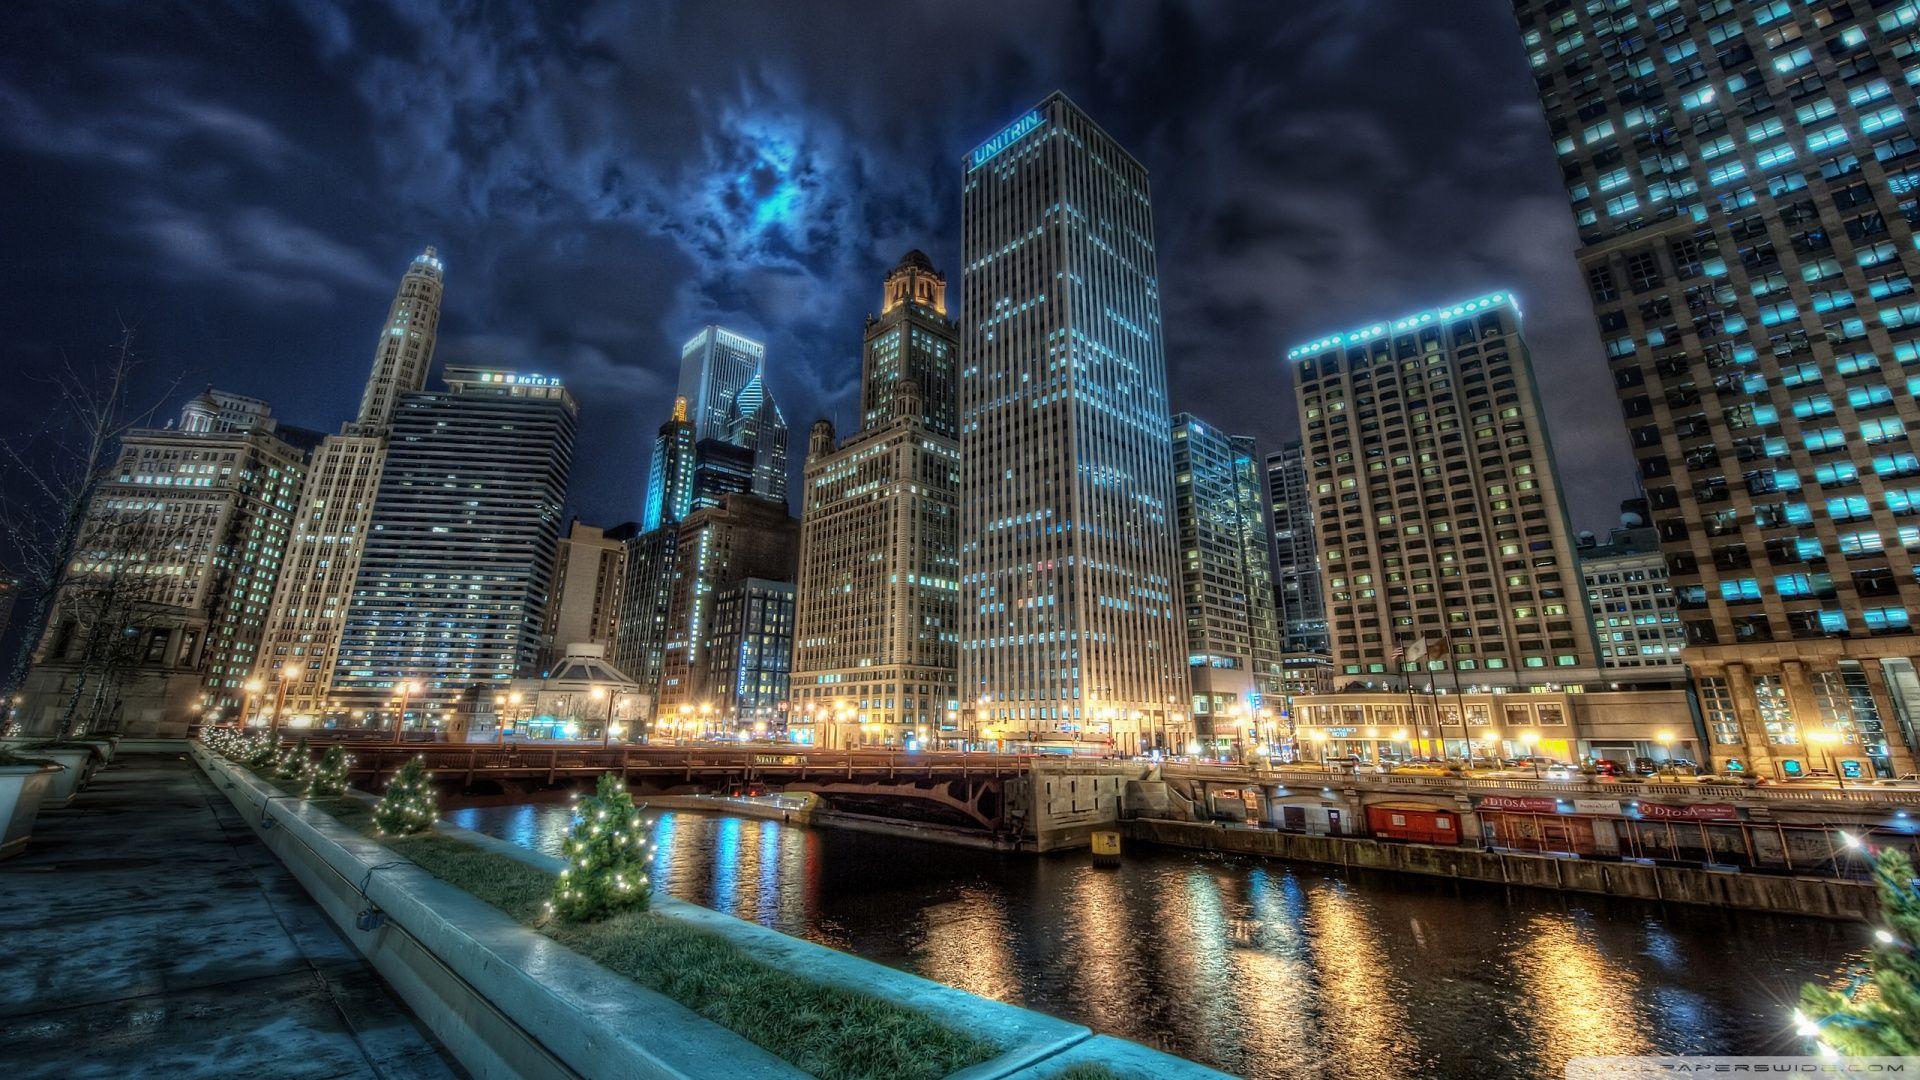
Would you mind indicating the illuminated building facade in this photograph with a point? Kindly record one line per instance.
(722, 381)
(458, 567)
(310, 604)
(718, 548)
(1296, 559)
(1745, 178)
(1233, 633)
(878, 619)
(174, 572)
(589, 571)
(1438, 513)
(1069, 580)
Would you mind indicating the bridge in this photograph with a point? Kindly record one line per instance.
(981, 793)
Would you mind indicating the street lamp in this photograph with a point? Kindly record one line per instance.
(1665, 739)
(1529, 738)
(1401, 736)
(406, 689)
(288, 672)
(1492, 737)
(252, 687)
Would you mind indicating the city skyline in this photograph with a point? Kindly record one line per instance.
(608, 308)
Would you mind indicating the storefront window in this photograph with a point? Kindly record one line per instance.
(1775, 715)
(1716, 701)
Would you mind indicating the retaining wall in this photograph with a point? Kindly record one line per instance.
(1824, 897)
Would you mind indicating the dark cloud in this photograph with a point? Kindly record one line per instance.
(246, 182)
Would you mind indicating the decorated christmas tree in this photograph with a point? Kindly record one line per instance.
(265, 753)
(609, 853)
(330, 776)
(1878, 1015)
(408, 806)
(294, 763)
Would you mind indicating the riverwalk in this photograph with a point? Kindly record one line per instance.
(149, 933)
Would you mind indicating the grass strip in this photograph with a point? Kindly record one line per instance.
(829, 1032)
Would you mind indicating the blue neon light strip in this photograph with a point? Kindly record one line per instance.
(1368, 333)
(1008, 135)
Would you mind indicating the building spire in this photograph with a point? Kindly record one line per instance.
(404, 353)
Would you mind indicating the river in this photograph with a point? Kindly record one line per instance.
(1258, 967)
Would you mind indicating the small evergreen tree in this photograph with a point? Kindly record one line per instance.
(294, 763)
(408, 806)
(265, 753)
(330, 776)
(609, 853)
(1886, 1022)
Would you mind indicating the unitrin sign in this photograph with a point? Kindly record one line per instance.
(1007, 137)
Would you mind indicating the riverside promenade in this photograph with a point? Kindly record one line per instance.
(149, 933)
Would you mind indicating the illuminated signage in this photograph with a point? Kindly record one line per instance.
(512, 379)
(1007, 137)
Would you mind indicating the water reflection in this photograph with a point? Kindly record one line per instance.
(1260, 968)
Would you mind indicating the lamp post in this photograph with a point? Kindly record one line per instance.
(251, 688)
(1492, 737)
(406, 689)
(1529, 738)
(1665, 739)
(1401, 736)
(289, 671)
(606, 730)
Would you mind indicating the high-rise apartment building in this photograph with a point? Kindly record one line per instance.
(1635, 618)
(878, 620)
(646, 601)
(175, 567)
(719, 548)
(749, 653)
(1233, 634)
(310, 604)
(1069, 579)
(1745, 178)
(1445, 544)
(1296, 559)
(458, 567)
(589, 571)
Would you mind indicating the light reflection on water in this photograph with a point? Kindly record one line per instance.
(1261, 968)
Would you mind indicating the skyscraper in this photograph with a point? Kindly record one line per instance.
(719, 548)
(878, 621)
(670, 474)
(1635, 618)
(1445, 542)
(1296, 558)
(756, 425)
(1233, 635)
(459, 563)
(589, 570)
(1069, 581)
(336, 503)
(1746, 184)
(175, 566)
(715, 365)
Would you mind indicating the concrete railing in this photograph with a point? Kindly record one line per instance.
(508, 1001)
(1864, 796)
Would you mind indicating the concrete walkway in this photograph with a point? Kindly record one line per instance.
(147, 933)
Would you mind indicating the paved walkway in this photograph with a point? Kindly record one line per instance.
(148, 933)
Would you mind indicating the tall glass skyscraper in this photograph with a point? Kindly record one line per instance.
(1233, 634)
(458, 568)
(1296, 558)
(1745, 176)
(1069, 583)
(715, 364)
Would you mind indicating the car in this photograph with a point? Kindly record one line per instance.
(1680, 764)
(1606, 767)
(1903, 780)
(1560, 770)
(1420, 769)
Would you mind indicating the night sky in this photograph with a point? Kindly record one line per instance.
(245, 184)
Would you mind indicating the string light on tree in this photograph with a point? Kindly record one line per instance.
(1878, 1014)
(330, 776)
(297, 762)
(409, 805)
(609, 852)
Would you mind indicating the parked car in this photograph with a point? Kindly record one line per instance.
(1560, 770)
(1903, 780)
(1645, 766)
(1606, 767)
